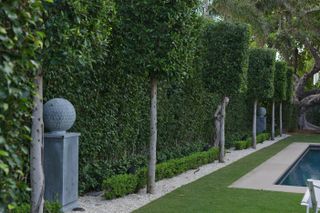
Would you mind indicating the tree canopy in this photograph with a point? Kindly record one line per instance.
(226, 57)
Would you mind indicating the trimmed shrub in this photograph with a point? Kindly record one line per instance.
(239, 145)
(227, 57)
(120, 185)
(280, 81)
(263, 137)
(261, 73)
(49, 207)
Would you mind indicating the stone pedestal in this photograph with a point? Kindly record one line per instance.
(61, 151)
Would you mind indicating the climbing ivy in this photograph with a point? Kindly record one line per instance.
(19, 41)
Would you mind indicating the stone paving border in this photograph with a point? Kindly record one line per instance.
(129, 203)
(267, 174)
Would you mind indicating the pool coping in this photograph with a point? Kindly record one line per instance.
(268, 173)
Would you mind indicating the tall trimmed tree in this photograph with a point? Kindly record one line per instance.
(280, 88)
(154, 36)
(260, 80)
(224, 73)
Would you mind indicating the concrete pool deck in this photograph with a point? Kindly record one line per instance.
(268, 173)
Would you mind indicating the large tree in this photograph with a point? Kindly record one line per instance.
(290, 26)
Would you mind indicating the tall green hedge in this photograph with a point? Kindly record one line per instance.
(261, 73)
(19, 41)
(280, 81)
(227, 57)
(112, 102)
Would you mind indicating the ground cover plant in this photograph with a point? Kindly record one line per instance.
(211, 193)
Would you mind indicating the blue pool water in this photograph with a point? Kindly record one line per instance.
(307, 166)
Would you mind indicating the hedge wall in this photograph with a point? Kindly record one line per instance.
(112, 103)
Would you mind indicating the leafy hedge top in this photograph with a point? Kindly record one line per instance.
(261, 73)
(280, 81)
(154, 35)
(289, 88)
(227, 57)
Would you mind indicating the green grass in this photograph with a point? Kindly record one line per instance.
(211, 193)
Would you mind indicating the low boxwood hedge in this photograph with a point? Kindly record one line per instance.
(49, 207)
(244, 144)
(120, 185)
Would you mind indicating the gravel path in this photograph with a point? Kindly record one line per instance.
(97, 204)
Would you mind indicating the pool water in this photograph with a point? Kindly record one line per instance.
(307, 166)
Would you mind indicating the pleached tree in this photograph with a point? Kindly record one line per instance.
(224, 74)
(260, 80)
(280, 89)
(152, 35)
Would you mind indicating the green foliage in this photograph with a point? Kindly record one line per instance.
(244, 144)
(49, 207)
(120, 185)
(112, 101)
(19, 42)
(261, 73)
(289, 88)
(156, 37)
(226, 58)
(239, 145)
(280, 81)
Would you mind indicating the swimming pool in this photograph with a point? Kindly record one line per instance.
(307, 166)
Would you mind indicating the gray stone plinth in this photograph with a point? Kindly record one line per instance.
(61, 153)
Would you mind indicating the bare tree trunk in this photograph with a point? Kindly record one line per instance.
(36, 151)
(222, 129)
(153, 138)
(217, 123)
(254, 125)
(273, 120)
(280, 118)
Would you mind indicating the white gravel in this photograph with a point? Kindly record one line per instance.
(97, 204)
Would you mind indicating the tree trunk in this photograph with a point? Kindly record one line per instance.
(280, 118)
(254, 125)
(217, 124)
(222, 129)
(153, 138)
(36, 151)
(217, 132)
(273, 120)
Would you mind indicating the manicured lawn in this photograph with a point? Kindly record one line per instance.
(211, 193)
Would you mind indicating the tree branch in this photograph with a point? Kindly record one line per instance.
(310, 100)
(313, 10)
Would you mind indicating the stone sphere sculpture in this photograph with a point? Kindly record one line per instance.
(59, 115)
(262, 111)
